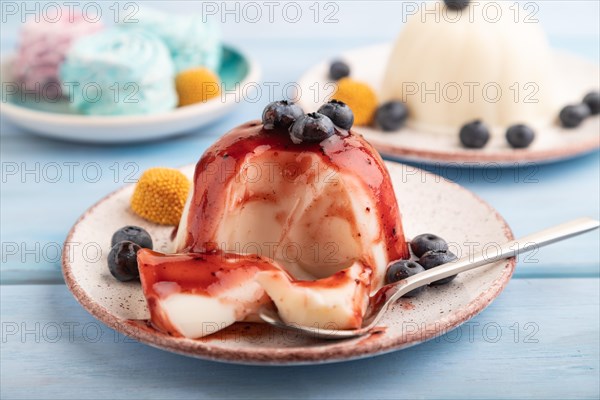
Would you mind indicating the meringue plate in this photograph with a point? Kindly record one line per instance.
(428, 204)
(238, 73)
(410, 144)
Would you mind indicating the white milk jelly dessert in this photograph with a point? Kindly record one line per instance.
(452, 66)
(296, 211)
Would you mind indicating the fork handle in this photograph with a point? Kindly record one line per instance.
(507, 250)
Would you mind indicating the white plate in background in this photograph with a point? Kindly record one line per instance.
(554, 143)
(55, 119)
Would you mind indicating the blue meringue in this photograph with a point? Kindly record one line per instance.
(192, 42)
(119, 72)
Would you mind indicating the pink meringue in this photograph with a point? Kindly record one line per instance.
(42, 49)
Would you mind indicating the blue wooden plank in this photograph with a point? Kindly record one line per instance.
(547, 348)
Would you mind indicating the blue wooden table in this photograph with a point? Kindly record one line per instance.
(545, 337)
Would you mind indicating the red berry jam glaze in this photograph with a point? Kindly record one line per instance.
(345, 153)
(202, 267)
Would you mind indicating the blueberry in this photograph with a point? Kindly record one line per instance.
(281, 114)
(338, 70)
(311, 128)
(122, 261)
(520, 136)
(133, 234)
(427, 242)
(474, 135)
(434, 258)
(456, 4)
(592, 100)
(403, 269)
(391, 115)
(573, 115)
(339, 113)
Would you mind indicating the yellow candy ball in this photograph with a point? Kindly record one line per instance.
(160, 195)
(359, 97)
(197, 85)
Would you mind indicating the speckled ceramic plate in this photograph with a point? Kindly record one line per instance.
(410, 144)
(428, 204)
(238, 72)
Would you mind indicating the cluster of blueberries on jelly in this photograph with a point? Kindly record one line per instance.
(122, 259)
(308, 128)
(431, 251)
